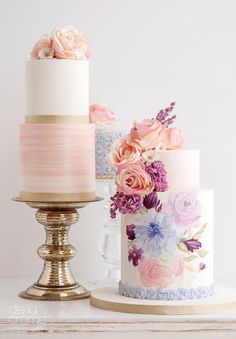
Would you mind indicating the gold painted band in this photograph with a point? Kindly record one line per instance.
(58, 197)
(108, 177)
(50, 119)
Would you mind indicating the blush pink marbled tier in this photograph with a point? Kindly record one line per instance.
(57, 162)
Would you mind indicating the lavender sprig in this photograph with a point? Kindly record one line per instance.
(164, 115)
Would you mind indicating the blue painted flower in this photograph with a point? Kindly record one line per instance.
(154, 233)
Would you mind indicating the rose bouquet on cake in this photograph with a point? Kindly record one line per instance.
(139, 173)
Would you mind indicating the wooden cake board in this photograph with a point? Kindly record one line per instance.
(108, 298)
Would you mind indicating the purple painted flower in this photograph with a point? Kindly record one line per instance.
(135, 255)
(192, 244)
(130, 231)
(125, 203)
(163, 115)
(157, 172)
(151, 201)
(202, 266)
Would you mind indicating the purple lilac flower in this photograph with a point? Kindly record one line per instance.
(130, 231)
(135, 255)
(202, 266)
(192, 244)
(157, 172)
(151, 201)
(163, 115)
(125, 203)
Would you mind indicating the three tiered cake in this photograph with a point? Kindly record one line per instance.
(57, 141)
(167, 220)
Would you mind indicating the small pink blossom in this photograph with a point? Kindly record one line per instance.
(44, 42)
(101, 115)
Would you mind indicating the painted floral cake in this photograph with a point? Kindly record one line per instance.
(167, 220)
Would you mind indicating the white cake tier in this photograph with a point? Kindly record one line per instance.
(57, 87)
(169, 254)
(183, 169)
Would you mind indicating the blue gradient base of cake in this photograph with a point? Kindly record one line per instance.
(104, 139)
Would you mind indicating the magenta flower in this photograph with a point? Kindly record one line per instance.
(151, 201)
(135, 255)
(125, 203)
(202, 266)
(192, 244)
(130, 231)
(157, 172)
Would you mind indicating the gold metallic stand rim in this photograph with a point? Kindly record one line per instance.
(36, 292)
(108, 298)
(59, 204)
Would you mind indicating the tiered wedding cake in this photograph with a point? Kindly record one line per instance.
(57, 141)
(167, 220)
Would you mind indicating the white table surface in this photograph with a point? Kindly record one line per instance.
(78, 319)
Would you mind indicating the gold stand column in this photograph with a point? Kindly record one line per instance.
(56, 281)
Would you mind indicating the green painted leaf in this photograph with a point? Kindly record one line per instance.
(190, 269)
(188, 233)
(191, 258)
(182, 247)
(200, 232)
(202, 253)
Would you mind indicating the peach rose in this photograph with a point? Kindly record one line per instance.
(122, 151)
(148, 133)
(174, 138)
(101, 115)
(131, 178)
(44, 42)
(154, 274)
(69, 43)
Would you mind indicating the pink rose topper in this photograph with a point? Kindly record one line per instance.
(184, 207)
(150, 133)
(124, 151)
(64, 43)
(133, 179)
(101, 115)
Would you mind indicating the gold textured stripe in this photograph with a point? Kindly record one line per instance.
(58, 197)
(108, 177)
(50, 119)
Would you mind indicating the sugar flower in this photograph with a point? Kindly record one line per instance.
(135, 255)
(130, 231)
(133, 179)
(158, 174)
(101, 115)
(124, 151)
(44, 42)
(125, 203)
(151, 201)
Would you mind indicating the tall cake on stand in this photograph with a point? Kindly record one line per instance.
(57, 154)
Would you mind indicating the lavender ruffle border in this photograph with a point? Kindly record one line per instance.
(166, 294)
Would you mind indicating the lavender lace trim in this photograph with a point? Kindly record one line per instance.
(104, 140)
(166, 294)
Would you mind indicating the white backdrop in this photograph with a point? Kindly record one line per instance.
(145, 54)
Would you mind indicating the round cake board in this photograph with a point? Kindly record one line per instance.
(108, 298)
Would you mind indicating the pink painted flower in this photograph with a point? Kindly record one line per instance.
(154, 274)
(101, 115)
(124, 151)
(69, 43)
(178, 266)
(44, 42)
(174, 138)
(131, 178)
(148, 133)
(184, 207)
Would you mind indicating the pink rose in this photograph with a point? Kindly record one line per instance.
(184, 207)
(131, 178)
(122, 151)
(148, 133)
(101, 115)
(174, 138)
(69, 43)
(154, 274)
(43, 43)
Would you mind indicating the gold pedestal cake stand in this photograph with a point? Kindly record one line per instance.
(56, 281)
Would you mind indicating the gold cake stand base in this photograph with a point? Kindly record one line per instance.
(56, 281)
